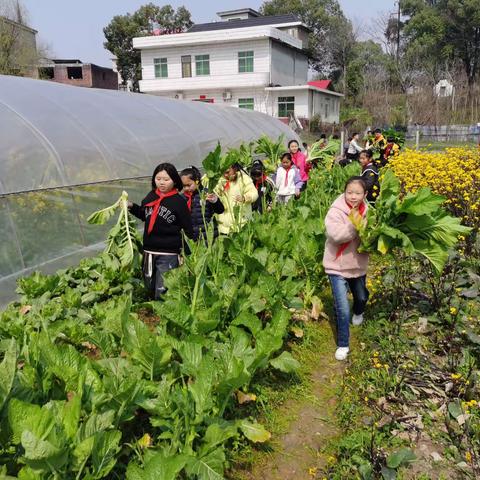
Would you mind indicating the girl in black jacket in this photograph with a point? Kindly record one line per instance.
(192, 187)
(166, 215)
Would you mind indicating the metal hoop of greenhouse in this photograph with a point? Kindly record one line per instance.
(68, 151)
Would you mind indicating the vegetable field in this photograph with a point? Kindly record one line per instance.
(98, 382)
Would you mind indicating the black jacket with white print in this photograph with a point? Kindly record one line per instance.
(173, 217)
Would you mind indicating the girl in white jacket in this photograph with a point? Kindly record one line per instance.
(287, 180)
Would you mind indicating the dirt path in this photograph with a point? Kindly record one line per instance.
(299, 453)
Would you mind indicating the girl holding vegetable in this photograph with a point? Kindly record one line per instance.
(299, 161)
(202, 212)
(166, 216)
(345, 267)
(237, 194)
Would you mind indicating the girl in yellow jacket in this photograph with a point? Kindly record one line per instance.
(237, 193)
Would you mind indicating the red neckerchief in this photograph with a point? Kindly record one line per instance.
(261, 181)
(286, 174)
(189, 196)
(361, 209)
(156, 206)
(226, 188)
(387, 151)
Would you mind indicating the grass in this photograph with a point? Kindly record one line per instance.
(437, 145)
(280, 397)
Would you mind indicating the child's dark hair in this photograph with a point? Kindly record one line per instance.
(377, 130)
(258, 169)
(292, 141)
(368, 153)
(390, 139)
(171, 172)
(359, 180)
(305, 145)
(193, 173)
(356, 133)
(288, 155)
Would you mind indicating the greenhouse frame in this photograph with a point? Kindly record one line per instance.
(68, 151)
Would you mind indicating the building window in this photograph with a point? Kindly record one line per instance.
(186, 66)
(245, 62)
(161, 67)
(246, 103)
(202, 64)
(75, 73)
(286, 106)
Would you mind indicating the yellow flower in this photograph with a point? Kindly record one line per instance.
(468, 457)
(312, 471)
(145, 441)
(453, 310)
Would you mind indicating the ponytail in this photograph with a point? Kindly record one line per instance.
(193, 173)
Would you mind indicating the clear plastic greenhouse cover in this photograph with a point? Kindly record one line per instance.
(67, 151)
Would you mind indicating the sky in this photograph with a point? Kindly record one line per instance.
(74, 29)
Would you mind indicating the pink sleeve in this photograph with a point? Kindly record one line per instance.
(302, 165)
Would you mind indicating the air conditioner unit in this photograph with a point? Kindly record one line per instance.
(227, 95)
(179, 95)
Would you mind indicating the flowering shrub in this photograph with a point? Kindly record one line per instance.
(453, 173)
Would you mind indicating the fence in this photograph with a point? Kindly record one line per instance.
(442, 136)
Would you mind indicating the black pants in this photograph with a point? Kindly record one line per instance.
(154, 267)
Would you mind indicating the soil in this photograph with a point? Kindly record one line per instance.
(148, 318)
(299, 454)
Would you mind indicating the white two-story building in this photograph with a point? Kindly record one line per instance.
(245, 60)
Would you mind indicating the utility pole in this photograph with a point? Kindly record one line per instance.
(398, 31)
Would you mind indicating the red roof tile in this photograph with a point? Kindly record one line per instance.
(325, 84)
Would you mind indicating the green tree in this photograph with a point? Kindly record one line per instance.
(119, 34)
(443, 30)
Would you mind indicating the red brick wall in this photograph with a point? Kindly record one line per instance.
(93, 77)
(61, 76)
(104, 78)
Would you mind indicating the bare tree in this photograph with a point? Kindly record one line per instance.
(18, 49)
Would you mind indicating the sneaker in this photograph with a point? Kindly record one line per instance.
(341, 353)
(357, 319)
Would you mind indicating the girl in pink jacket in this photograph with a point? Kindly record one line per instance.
(345, 267)
(300, 161)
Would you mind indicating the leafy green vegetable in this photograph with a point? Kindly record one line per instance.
(272, 150)
(215, 165)
(285, 363)
(254, 431)
(415, 223)
(325, 154)
(123, 239)
(7, 370)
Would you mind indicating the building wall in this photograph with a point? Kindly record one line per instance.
(93, 76)
(327, 106)
(223, 66)
(259, 95)
(104, 78)
(24, 56)
(307, 102)
(289, 66)
(61, 75)
(301, 102)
